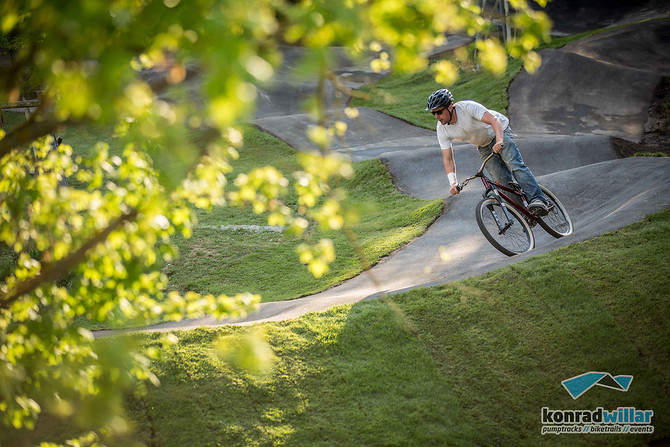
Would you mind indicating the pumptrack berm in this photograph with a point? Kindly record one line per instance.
(564, 115)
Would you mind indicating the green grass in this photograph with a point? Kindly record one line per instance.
(509, 337)
(404, 95)
(651, 154)
(227, 261)
(469, 363)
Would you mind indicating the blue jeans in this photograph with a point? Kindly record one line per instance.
(510, 166)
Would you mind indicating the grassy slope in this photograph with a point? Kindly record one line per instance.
(472, 362)
(468, 363)
(215, 261)
(508, 338)
(404, 96)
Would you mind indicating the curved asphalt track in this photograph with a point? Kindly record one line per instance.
(564, 115)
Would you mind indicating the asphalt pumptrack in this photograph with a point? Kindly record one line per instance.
(564, 117)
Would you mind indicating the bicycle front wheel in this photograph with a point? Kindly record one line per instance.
(557, 222)
(511, 236)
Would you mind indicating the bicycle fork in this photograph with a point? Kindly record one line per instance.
(502, 226)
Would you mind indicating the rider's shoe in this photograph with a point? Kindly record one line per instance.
(538, 208)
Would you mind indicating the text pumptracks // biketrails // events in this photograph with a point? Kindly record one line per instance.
(623, 420)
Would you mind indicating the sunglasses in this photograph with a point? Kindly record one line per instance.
(438, 112)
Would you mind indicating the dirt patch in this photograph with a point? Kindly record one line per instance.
(656, 138)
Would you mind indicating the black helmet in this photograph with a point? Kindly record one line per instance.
(438, 98)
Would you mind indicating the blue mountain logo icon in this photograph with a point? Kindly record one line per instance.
(578, 385)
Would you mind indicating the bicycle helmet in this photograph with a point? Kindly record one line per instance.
(439, 98)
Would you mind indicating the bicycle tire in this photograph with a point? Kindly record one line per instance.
(557, 222)
(517, 239)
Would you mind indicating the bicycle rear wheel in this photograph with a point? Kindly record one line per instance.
(557, 222)
(512, 236)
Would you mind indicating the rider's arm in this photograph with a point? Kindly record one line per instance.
(497, 129)
(450, 168)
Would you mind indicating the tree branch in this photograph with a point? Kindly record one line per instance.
(344, 89)
(27, 133)
(20, 104)
(55, 270)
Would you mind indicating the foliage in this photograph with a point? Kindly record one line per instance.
(175, 79)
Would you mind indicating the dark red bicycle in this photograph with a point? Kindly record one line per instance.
(504, 219)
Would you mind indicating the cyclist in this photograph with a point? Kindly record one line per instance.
(489, 131)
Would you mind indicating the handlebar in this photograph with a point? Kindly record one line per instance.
(461, 185)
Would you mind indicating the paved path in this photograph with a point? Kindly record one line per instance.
(564, 115)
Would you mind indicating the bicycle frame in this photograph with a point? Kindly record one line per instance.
(499, 190)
